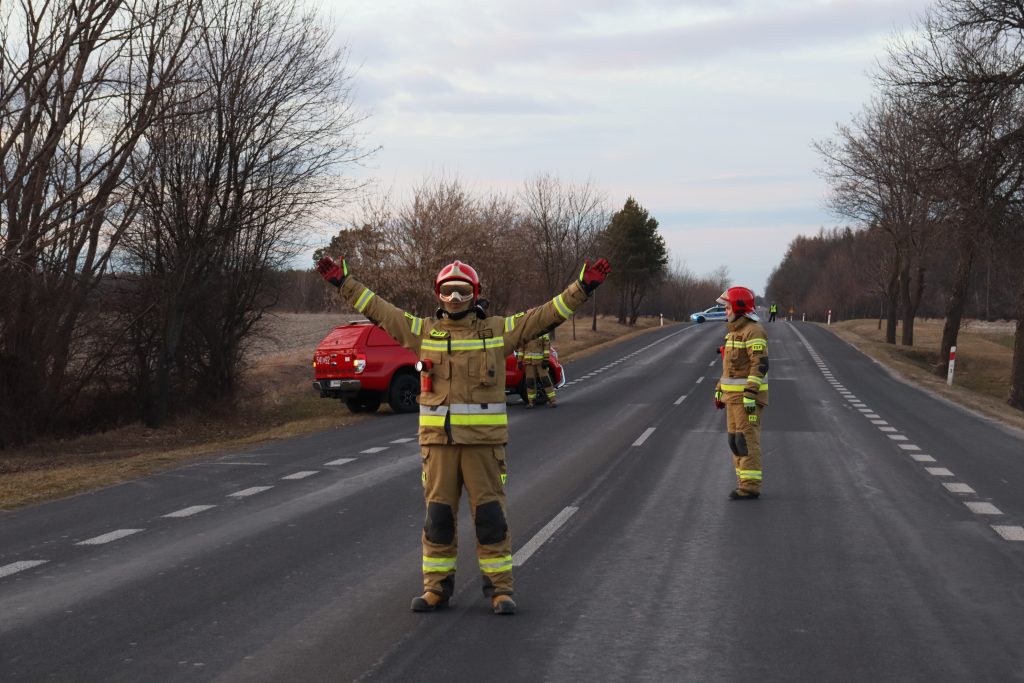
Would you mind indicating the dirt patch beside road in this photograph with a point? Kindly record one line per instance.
(278, 403)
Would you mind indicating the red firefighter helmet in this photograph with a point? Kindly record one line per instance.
(742, 301)
(457, 270)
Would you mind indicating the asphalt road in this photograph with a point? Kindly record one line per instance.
(888, 544)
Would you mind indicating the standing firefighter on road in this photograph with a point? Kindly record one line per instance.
(743, 388)
(536, 355)
(773, 311)
(463, 424)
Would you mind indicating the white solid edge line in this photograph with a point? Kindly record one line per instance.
(339, 461)
(980, 508)
(523, 554)
(107, 538)
(1009, 533)
(643, 437)
(301, 475)
(189, 511)
(680, 399)
(16, 567)
(251, 491)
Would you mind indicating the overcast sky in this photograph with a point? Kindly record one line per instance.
(702, 110)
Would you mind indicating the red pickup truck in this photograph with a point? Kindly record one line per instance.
(364, 366)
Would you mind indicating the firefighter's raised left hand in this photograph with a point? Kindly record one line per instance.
(332, 271)
(593, 275)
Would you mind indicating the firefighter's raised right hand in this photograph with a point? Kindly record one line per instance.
(718, 399)
(332, 271)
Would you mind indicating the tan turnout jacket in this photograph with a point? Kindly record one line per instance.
(467, 401)
(744, 362)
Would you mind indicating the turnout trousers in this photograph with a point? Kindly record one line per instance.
(536, 376)
(481, 469)
(745, 444)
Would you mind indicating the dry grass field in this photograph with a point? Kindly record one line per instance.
(276, 402)
(982, 370)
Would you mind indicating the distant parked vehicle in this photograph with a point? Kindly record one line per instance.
(363, 366)
(713, 313)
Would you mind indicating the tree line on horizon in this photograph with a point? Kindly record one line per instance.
(930, 177)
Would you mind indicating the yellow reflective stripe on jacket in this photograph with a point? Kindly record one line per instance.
(535, 356)
(477, 344)
(734, 344)
(432, 416)
(739, 384)
(363, 300)
(757, 344)
(445, 345)
(560, 306)
(439, 564)
(510, 323)
(416, 325)
(749, 474)
(759, 381)
(495, 565)
(477, 420)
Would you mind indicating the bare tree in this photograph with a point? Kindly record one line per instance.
(80, 83)
(265, 124)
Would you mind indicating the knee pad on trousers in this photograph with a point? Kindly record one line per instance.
(732, 443)
(741, 444)
(439, 527)
(491, 526)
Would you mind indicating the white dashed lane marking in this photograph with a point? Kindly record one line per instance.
(980, 508)
(189, 511)
(404, 440)
(700, 379)
(375, 449)
(339, 461)
(897, 437)
(107, 538)
(252, 491)
(301, 475)
(680, 399)
(523, 554)
(643, 437)
(16, 567)
(1009, 533)
(909, 447)
(922, 457)
(939, 471)
(958, 487)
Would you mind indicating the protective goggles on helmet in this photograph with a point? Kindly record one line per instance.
(455, 291)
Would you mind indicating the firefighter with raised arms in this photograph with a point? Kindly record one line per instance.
(536, 356)
(743, 388)
(463, 426)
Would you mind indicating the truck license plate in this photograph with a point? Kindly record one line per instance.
(335, 383)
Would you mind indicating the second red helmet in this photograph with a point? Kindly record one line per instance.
(741, 299)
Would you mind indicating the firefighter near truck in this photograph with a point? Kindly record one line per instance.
(463, 423)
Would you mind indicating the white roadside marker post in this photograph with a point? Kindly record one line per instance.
(952, 362)
(830, 316)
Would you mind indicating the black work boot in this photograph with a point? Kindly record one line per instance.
(503, 604)
(740, 494)
(428, 602)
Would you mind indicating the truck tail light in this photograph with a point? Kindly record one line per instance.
(359, 363)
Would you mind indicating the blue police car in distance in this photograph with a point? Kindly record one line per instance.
(713, 313)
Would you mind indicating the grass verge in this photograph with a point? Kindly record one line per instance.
(981, 374)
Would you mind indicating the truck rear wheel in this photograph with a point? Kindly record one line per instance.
(402, 395)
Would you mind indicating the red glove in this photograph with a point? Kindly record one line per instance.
(332, 271)
(593, 275)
